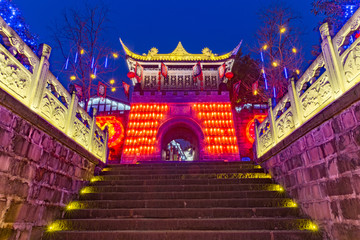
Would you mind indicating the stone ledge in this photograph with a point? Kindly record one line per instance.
(27, 114)
(345, 101)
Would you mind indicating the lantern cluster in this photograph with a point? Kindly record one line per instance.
(144, 120)
(218, 127)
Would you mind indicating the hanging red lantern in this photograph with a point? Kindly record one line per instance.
(229, 75)
(131, 75)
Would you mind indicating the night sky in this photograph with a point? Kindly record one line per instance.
(218, 25)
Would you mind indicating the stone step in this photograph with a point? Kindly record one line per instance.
(126, 171)
(172, 172)
(173, 164)
(243, 173)
(179, 195)
(105, 224)
(184, 203)
(183, 213)
(108, 187)
(188, 235)
(184, 182)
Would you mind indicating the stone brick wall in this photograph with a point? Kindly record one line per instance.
(39, 173)
(319, 165)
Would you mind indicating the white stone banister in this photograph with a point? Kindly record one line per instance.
(31, 83)
(335, 71)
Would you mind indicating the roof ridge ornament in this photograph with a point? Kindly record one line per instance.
(179, 54)
(180, 50)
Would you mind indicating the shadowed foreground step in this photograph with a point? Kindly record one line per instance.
(183, 201)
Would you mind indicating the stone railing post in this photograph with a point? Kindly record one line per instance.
(272, 123)
(92, 130)
(295, 101)
(332, 61)
(39, 80)
(257, 135)
(69, 125)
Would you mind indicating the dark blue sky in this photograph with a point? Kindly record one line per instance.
(219, 25)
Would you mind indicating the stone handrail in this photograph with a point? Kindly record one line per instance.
(333, 72)
(27, 78)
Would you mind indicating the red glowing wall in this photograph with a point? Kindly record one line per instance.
(218, 127)
(116, 134)
(143, 125)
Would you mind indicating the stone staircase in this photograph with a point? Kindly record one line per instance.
(179, 200)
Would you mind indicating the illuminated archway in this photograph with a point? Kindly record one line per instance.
(181, 128)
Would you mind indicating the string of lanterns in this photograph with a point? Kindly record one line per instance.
(218, 127)
(144, 121)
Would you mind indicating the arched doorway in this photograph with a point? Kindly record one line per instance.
(180, 143)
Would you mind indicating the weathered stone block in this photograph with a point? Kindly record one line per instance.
(5, 137)
(20, 145)
(36, 233)
(36, 136)
(5, 161)
(348, 120)
(334, 209)
(21, 126)
(344, 142)
(327, 130)
(34, 152)
(47, 142)
(318, 135)
(17, 187)
(348, 162)
(309, 140)
(328, 148)
(342, 231)
(332, 167)
(336, 125)
(315, 154)
(356, 183)
(322, 210)
(340, 186)
(350, 208)
(13, 212)
(24, 235)
(6, 117)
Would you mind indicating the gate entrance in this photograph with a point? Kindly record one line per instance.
(180, 143)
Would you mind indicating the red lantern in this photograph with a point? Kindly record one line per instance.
(131, 75)
(229, 75)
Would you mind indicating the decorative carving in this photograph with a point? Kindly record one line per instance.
(285, 125)
(53, 110)
(81, 133)
(352, 64)
(324, 31)
(311, 73)
(12, 76)
(44, 51)
(316, 95)
(97, 147)
(266, 140)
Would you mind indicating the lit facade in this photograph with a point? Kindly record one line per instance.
(180, 105)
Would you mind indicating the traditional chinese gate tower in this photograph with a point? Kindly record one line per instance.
(169, 102)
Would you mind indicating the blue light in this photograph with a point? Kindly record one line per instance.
(286, 72)
(92, 62)
(76, 57)
(67, 63)
(106, 62)
(274, 90)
